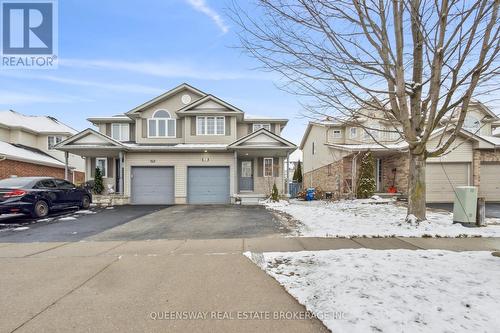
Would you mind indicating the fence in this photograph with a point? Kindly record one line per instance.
(294, 188)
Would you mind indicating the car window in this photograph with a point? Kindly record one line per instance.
(15, 182)
(64, 184)
(46, 183)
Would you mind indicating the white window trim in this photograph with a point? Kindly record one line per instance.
(104, 174)
(355, 134)
(337, 133)
(55, 141)
(261, 125)
(120, 131)
(205, 120)
(157, 125)
(264, 166)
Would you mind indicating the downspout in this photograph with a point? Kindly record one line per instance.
(287, 173)
(66, 167)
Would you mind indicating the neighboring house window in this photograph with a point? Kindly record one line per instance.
(472, 124)
(353, 132)
(101, 163)
(313, 148)
(120, 132)
(268, 167)
(162, 125)
(210, 125)
(257, 127)
(53, 140)
(374, 133)
(337, 134)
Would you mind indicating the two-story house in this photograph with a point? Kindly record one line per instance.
(185, 146)
(332, 149)
(27, 147)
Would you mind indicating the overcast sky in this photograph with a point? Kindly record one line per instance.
(117, 54)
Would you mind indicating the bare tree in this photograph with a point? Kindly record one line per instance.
(417, 61)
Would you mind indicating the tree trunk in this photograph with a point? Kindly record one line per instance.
(416, 188)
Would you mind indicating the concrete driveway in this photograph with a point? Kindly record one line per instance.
(492, 209)
(199, 222)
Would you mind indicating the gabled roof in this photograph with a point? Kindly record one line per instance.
(89, 132)
(206, 99)
(309, 127)
(166, 95)
(238, 143)
(27, 154)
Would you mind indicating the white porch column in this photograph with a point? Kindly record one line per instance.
(122, 159)
(66, 168)
(236, 183)
(287, 172)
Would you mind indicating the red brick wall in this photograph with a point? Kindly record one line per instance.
(23, 169)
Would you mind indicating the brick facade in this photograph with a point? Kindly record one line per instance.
(481, 156)
(399, 162)
(10, 168)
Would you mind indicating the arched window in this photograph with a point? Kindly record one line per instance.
(161, 125)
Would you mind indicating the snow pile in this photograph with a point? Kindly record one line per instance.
(371, 218)
(67, 218)
(393, 291)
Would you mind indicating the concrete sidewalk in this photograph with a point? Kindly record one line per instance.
(120, 285)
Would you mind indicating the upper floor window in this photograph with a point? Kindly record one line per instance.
(313, 148)
(472, 123)
(161, 125)
(257, 127)
(353, 132)
(210, 125)
(337, 134)
(53, 140)
(372, 133)
(120, 132)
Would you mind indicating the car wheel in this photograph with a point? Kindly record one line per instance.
(41, 209)
(85, 204)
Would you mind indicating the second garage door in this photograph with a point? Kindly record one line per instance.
(490, 181)
(152, 185)
(208, 185)
(442, 178)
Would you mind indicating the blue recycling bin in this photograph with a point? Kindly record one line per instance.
(310, 194)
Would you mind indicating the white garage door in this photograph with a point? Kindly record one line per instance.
(490, 182)
(152, 185)
(441, 178)
(208, 185)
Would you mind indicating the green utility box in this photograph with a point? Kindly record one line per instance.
(465, 205)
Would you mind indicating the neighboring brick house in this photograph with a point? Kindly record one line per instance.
(331, 152)
(26, 148)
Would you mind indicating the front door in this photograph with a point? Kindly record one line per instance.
(246, 176)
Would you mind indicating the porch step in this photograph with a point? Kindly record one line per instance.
(385, 195)
(109, 200)
(250, 198)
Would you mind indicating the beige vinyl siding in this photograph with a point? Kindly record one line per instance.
(442, 178)
(460, 151)
(490, 181)
(180, 162)
(322, 156)
(4, 134)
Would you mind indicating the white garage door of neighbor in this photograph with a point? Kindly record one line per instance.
(490, 181)
(152, 185)
(442, 178)
(208, 185)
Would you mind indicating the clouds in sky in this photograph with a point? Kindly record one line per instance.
(203, 7)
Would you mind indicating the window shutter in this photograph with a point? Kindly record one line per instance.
(260, 167)
(178, 130)
(132, 132)
(111, 167)
(227, 121)
(92, 167)
(250, 128)
(108, 129)
(144, 128)
(193, 125)
(276, 166)
(273, 128)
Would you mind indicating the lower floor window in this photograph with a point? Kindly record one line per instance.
(102, 164)
(268, 167)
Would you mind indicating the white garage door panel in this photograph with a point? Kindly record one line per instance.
(490, 182)
(440, 183)
(208, 185)
(153, 185)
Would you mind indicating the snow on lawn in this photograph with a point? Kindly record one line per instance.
(392, 291)
(371, 218)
